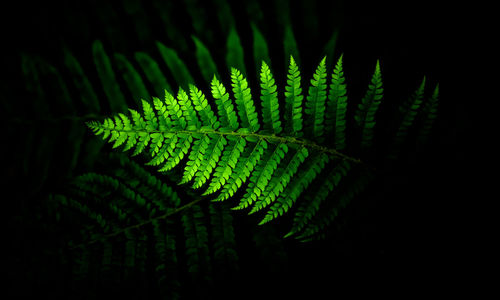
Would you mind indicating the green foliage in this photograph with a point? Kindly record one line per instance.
(315, 103)
(235, 149)
(244, 101)
(131, 228)
(409, 111)
(235, 53)
(205, 60)
(365, 114)
(132, 78)
(283, 156)
(269, 97)
(82, 83)
(107, 75)
(429, 112)
(336, 107)
(293, 100)
(176, 65)
(260, 49)
(153, 72)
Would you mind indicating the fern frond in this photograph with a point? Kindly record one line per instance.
(244, 102)
(227, 156)
(164, 120)
(262, 174)
(293, 100)
(122, 206)
(226, 165)
(210, 160)
(198, 259)
(242, 170)
(174, 111)
(226, 110)
(336, 108)
(196, 156)
(235, 148)
(177, 67)
(307, 211)
(365, 114)
(131, 77)
(178, 153)
(153, 73)
(200, 103)
(296, 187)
(409, 110)
(235, 54)
(112, 90)
(260, 49)
(280, 182)
(205, 60)
(189, 113)
(269, 98)
(315, 103)
(225, 255)
(343, 197)
(429, 111)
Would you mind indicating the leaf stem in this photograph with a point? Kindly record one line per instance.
(139, 225)
(268, 137)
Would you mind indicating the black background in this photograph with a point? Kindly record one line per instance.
(409, 228)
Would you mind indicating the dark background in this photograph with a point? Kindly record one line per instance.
(407, 227)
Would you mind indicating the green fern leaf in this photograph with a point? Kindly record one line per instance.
(269, 97)
(244, 102)
(365, 114)
(153, 73)
(315, 103)
(200, 103)
(150, 116)
(290, 45)
(198, 259)
(226, 110)
(164, 120)
(336, 107)
(205, 60)
(306, 212)
(196, 156)
(260, 49)
(430, 114)
(82, 83)
(189, 113)
(212, 156)
(409, 110)
(177, 153)
(293, 100)
(176, 65)
(242, 170)
(343, 197)
(131, 77)
(295, 188)
(262, 174)
(226, 165)
(224, 244)
(235, 147)
(174, 111)
(112, 90)
(280, 182)
(234, 50)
